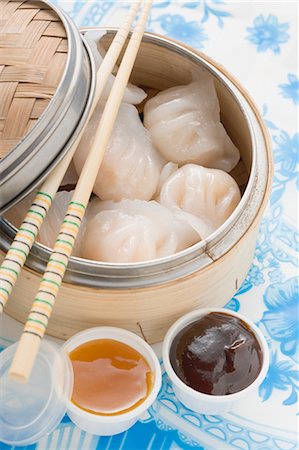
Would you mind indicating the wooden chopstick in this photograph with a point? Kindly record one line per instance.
(43, 304)
(28, 231)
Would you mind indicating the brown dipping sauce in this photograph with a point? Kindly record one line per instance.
(218, 355)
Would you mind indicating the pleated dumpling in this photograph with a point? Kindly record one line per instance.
(131, 165)
(184, 122)
(133, 94)
(211, 195)
(133, 231)
(53, 220)
(52, 223)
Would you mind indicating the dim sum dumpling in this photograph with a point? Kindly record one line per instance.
(134, 230)
(209, 194)
(131, 165)
(52, 223)
(53, 220)
(166, 171)
(133, 94)
(184, 122)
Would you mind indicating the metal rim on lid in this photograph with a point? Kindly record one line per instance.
(29, 163)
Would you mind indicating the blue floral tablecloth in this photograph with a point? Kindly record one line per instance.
(257, 41)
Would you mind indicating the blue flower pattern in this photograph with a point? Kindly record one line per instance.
(283, 377)
(255, 276)
(291, 89)
(176, 27)
(210, 9)
(281, 315)
(286, 158)
(268, 283)
(268, 34)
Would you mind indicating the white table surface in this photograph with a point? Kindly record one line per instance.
(257, 42)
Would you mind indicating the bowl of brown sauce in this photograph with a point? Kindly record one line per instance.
(214, 359)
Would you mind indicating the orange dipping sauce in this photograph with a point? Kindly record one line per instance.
(110, 377)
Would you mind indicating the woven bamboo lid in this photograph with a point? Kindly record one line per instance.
(47, 80)
(33, 54)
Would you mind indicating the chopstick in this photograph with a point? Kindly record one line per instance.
(43, 303)
(28, 231)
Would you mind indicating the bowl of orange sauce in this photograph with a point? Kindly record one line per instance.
(117, 377)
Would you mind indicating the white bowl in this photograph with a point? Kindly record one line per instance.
(110, 425)
(206, 403)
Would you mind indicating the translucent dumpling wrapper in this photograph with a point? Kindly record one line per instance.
(131, 165)
(184, 122)
(168, 169)
(52, 222)
(133, 94)
(211, 195)
(134, 231)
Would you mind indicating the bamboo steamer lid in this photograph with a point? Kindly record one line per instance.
(45, 92)
(33, 57)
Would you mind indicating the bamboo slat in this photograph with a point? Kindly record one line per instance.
(26, 74)
(63, 46)
(34, 90)
(19, 21)
(55, 29)
(33, 54)
(55, 70)
(7, 91)
(6, 145)
(39, 106)
(15, 56)
(44, 51)
(18, 117)
(47, 15)
(34, 4)
(8, 8)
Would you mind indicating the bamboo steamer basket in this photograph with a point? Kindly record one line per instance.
(148, 297)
